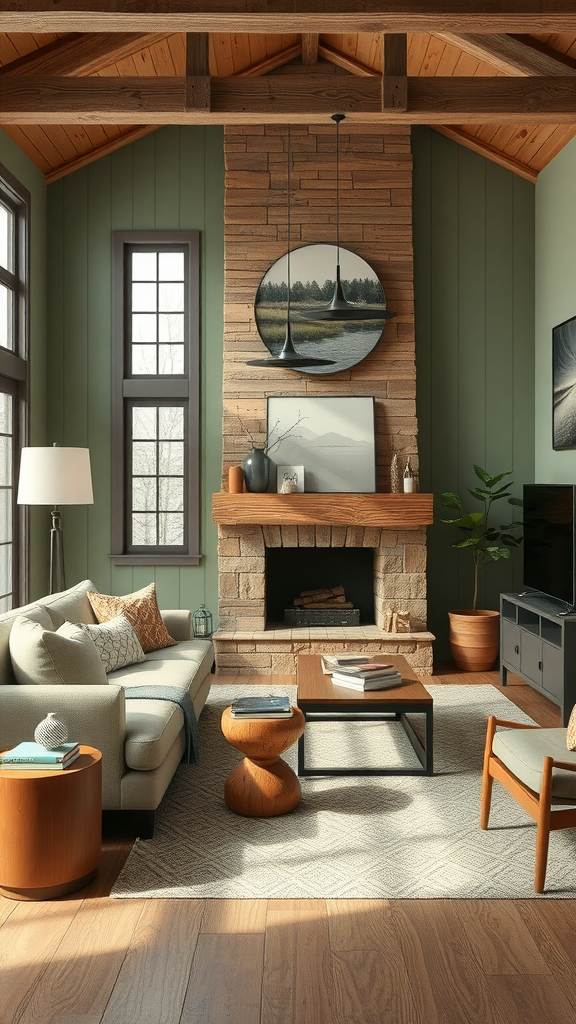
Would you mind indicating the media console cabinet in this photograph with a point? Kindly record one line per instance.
(539, 645)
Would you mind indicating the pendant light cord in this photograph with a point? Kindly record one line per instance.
(338, 193)
(288, 220)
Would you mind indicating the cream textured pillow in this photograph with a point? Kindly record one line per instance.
(116, 643)
(141, 610)
(571, 730)
(42, 656)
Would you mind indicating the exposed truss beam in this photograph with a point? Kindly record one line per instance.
(309, 48)
(513, 55)
(94, 154)
(262, 67)
(342, 60)
(301, 98)
(197, 71)
(394, 81)
(485, 149)
(278, 16)
(81, 54)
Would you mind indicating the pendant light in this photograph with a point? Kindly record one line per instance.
(289, 357)
(340, 308)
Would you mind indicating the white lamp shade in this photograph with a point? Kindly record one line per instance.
(55, 476)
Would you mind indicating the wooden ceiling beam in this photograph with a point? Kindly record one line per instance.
(512, 55)
(197, 88)
(94, 154)
(272, 16)
(78, 54)
(485, 149)
(309, 97)
(262, 67)
(309, 48)
(342, 60)
(394, 80)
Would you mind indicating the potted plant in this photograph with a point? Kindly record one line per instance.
(474, 633)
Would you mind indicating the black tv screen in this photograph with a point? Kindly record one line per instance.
(549, 540)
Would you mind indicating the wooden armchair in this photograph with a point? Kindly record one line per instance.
(532, 781)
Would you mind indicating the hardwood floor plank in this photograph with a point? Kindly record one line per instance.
(499, 938)
(371, 987)
(225, 981)
(552, 924)
(235, 917)
(30, 937)
(297, 986)
(448, 983)
(359, 924)
(151, 985)
(82, 972)
(531, 1000)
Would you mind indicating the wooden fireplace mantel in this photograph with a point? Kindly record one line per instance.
(399, 511)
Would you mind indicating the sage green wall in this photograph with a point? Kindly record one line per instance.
(555, 299)
(28, 174)
(474, 295)
(172, 179)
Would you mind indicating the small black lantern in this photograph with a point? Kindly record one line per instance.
(202, 622)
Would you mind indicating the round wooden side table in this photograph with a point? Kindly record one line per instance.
(262, 785)
(50, 828)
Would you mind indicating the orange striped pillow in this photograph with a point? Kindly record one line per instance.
(141, 610)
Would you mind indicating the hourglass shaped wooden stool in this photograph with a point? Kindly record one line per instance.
(262, 785)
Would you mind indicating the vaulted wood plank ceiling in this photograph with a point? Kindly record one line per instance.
(69, 98)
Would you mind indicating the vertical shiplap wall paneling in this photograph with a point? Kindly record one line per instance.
(55, 375)
(171, 179)
(474, 288)
(99, 365)
(212, 271)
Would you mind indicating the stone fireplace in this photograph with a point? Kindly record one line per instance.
(375, 221)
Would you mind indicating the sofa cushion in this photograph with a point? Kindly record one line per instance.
(523, 752)
(70, 605)
(43, 656)
(153, 725)
(116, 643)
(141, 609)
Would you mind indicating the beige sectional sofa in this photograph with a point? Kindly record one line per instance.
(142, 741)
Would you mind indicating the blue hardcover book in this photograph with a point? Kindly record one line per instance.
(34, 753)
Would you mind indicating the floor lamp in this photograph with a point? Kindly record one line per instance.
(55, 476)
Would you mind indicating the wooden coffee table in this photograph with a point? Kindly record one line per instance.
(322, 700)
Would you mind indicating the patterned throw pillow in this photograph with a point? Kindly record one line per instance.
(571, 731)
(141, 610)
(116, 643)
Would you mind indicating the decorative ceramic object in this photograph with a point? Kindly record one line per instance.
(51, 731)
(235, 479)
(408, 479)
(256, 468)
(395, 482)
(288, 487)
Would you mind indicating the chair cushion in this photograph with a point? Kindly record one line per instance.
(523, 752)
(141, 610)
(43, 656)
(116, 643)
(69, 605)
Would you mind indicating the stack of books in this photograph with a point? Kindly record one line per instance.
(261, 707)
(33, 755)
(375, 675)
(334, 662)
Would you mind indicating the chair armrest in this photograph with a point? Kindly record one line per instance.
(515, 725)
(178, 622)
(95, 716)
(567, 766)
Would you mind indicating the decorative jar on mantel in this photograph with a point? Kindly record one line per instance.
(256, 468)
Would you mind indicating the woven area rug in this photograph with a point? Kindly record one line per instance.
(351, 837)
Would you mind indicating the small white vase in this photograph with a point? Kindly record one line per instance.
(51, 731)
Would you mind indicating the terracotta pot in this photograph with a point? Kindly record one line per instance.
(474, 639)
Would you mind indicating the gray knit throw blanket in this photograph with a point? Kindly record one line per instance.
(178, 695)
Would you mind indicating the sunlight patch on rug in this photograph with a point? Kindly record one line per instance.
(401, 837)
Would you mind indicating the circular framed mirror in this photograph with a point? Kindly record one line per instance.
(312, 276)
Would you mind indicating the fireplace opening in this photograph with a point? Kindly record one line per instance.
(289, 571)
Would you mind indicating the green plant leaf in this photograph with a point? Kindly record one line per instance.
(510, 541)
(451, 500)
(482, 475)
(496, 497)
(468, 543)
(495, 479)
(516, 501)
(479, 494)
(496, 553)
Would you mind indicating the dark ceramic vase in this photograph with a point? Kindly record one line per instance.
(256, 468)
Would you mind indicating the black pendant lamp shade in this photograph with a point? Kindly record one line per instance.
(289, 358)
(339, 308)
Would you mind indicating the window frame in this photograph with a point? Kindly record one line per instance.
(14, 377)
(129, 390)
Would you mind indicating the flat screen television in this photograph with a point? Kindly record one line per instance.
(549, 540)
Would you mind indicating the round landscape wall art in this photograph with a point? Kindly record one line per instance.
(313, 275)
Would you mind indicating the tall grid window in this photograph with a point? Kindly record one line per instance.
(14, 315)
(155, 469)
